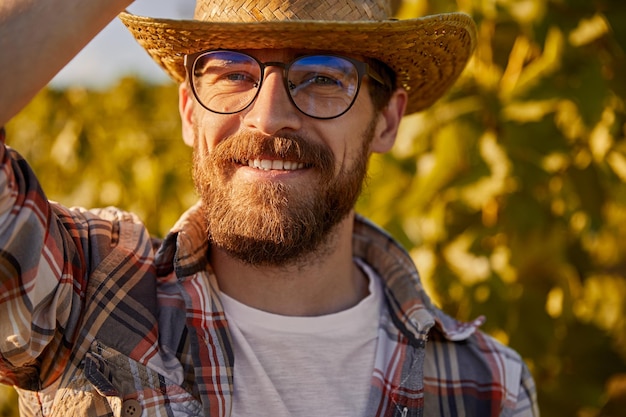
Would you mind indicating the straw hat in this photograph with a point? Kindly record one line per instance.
(427, 54)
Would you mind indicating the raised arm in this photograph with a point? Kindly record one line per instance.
(37, 39)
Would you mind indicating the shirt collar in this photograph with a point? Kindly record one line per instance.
(411, 309)
(186, 248)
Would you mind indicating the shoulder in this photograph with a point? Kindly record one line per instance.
(103, 231)
(479, 373)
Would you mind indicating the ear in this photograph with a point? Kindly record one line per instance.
(185, 107)
(388, 121)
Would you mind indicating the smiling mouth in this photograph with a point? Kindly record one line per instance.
(274, 164)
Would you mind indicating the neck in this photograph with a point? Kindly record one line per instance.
(326, 282)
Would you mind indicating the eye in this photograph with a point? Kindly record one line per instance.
(322, 80)
(226, 70)
(237, 77)
(315, 81)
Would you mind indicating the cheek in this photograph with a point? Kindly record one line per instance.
(351, 143)
(210, 129)
(357, 131)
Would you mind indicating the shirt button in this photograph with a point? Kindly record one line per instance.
(131, 408)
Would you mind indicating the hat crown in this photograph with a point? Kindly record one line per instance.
(291, 10)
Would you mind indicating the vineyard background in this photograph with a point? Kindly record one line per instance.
(510, 193)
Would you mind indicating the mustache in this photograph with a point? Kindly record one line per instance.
(247, 146)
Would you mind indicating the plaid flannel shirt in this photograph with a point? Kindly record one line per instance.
(98, 319)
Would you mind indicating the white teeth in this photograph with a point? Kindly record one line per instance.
(267, 164)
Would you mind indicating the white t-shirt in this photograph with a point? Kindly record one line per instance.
(304, 366)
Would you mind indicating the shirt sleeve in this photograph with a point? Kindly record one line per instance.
(526, 405)
(43, 269)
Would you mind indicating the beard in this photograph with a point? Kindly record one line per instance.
(274, 223)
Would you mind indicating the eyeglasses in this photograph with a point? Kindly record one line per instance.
(320, 86)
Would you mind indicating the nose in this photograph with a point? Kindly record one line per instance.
(272, 110)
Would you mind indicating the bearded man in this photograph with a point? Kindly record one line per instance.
(270, 297)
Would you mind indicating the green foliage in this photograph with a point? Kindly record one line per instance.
(121, 147)
(8, 401)
(510, 193)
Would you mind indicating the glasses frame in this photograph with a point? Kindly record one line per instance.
(362, 69)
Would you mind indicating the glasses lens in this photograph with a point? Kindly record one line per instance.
(323, 86)
(226, 81)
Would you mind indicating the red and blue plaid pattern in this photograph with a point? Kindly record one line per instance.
(95, 313)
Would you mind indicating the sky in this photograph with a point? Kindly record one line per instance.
(114, 53)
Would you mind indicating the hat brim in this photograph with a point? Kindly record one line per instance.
(428, 54)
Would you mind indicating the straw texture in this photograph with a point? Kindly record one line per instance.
(255, 11)
(428, 54)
